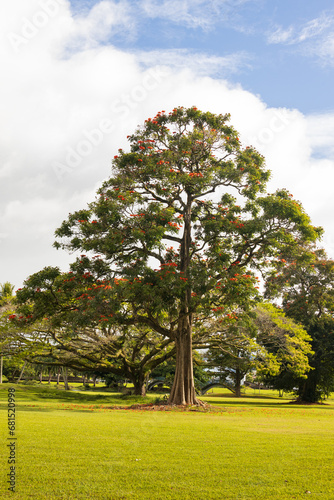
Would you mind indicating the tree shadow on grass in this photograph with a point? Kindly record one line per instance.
(35, 394)
(257, 401)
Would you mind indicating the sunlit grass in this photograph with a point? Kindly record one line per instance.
(72, 445)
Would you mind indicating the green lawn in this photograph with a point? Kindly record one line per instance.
(75, 446)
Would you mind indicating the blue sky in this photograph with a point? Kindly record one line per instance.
(79, 76)
(281, 43)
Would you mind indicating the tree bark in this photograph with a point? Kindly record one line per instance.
(64, 370)
(183, 390)
(21, 374)
(237, 382)
(139, 385)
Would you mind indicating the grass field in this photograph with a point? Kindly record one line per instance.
(76, 445)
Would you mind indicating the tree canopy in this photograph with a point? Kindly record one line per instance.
(264, 340)
(175, 236)
(304, 281)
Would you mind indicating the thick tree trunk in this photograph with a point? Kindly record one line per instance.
(139, 385)
(308, 390)
(183, 390)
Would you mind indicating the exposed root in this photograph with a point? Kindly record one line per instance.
(163, 406)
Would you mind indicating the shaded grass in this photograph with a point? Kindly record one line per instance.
(76, 448)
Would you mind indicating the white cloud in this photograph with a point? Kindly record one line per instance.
(281, 35)
(314, 28)
(64, 114)
(324, 50)
(106, 19)
(320, 133)
(201, 63)
(193, 13)
(312, 39)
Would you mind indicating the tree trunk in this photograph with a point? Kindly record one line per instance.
(58, 375)
(1, 366)
(183, 390)
(21, 374)
(64, 369)
(50, 375)
(308, 391)
(237, 382)
(139, 385)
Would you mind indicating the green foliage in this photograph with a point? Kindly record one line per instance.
(174, 236)
(285, 340)
(304, 278)
(162, 186)
(266, 341)
(6, 293)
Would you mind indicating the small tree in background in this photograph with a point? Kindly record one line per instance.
(6, 303)
(6, 293)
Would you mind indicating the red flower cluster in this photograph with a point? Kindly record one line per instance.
(195, 174)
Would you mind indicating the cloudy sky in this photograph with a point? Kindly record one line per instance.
(78, 76)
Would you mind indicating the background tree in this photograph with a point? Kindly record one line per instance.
(172, 241)
(304, 281)
(130, 353)
(286, 344)
(6, 302)
(6, 293)
(265, 341)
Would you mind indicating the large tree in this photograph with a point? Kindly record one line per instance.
(173, 243)
(304, 282)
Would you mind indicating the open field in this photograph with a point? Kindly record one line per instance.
(74, 445)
